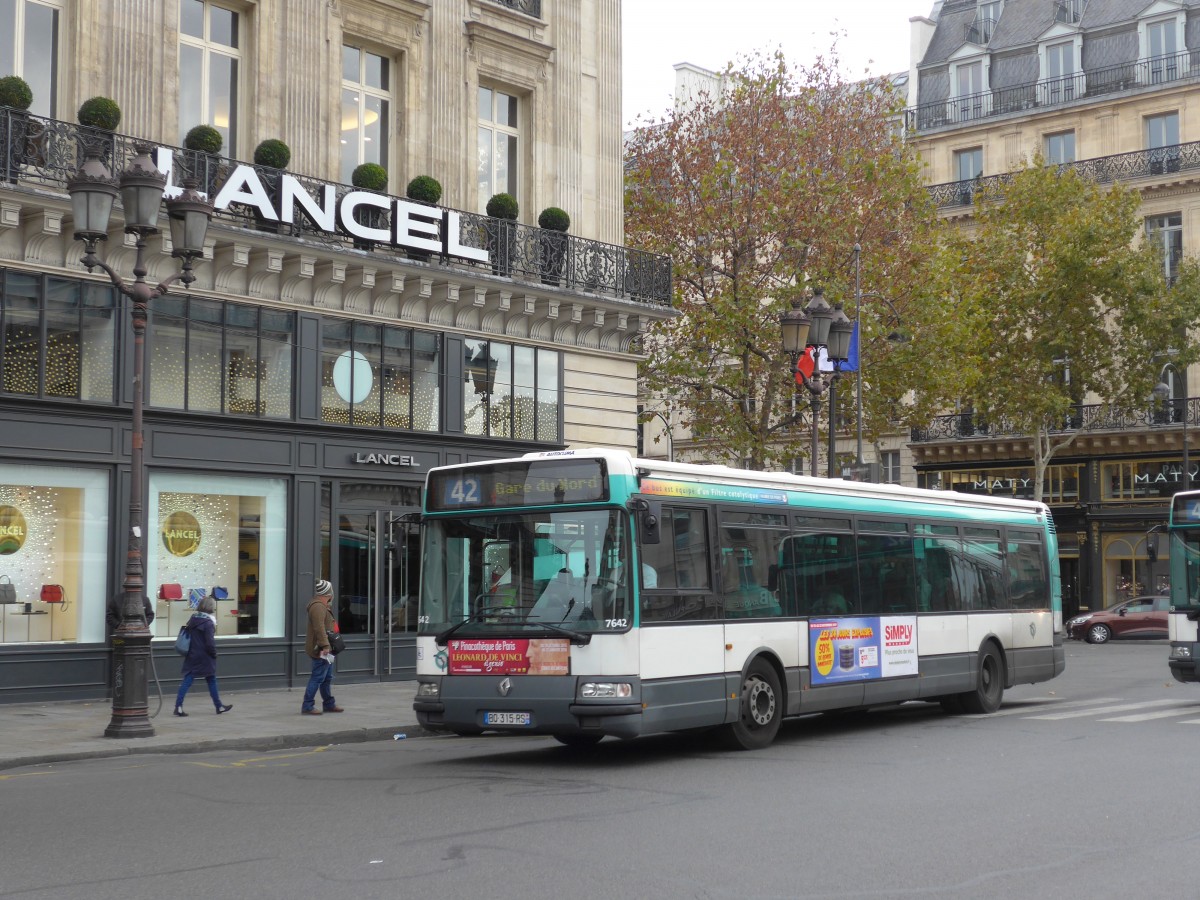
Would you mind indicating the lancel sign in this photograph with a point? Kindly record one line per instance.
(181, 533)
(12, 530)
(413, 225)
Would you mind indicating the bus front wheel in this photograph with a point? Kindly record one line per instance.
(989, 684)
(760, 709)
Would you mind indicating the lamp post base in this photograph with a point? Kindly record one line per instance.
(131, 660)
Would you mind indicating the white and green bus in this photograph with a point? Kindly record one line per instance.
(1183, 531)
(586, 593)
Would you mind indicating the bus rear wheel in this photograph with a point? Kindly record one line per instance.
(989, 684)
(760, 709)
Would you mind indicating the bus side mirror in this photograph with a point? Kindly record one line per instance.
(648, 514)
(1152, 547)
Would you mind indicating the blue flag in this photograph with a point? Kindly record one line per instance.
(850, 364)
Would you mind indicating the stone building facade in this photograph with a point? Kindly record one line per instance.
(336, 344)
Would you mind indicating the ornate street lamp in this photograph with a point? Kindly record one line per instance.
(817, 325)
(93, 191)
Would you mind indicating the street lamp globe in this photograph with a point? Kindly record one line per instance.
(93, 192)
(820, 314)
(840, 331)
(141, 193)
(793, 328)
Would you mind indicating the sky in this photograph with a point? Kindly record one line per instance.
(872, 37)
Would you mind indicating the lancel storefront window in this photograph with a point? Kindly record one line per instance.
(227, 543)
(53, 546)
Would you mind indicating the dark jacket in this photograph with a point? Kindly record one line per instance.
(116, 608)
(201, 659)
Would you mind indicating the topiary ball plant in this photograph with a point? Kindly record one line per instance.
(205, 139)
(370, 177)
(503, 206)
(15, 92)
(554, 219)
(424, 189)
(273, 153)
(100, 113)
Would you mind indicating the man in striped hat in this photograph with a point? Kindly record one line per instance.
(317, 646)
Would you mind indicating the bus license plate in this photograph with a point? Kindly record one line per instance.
(506, 718)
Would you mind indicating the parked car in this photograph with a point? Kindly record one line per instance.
(1141, 617)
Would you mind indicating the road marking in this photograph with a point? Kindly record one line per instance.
(1079, 713)
(1024, 707)
(241, 764)
(26, 775)
(1161, 714)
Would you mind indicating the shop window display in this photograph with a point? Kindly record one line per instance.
(511, 391)
(53, 546)
(227, 543)
(212, 356)
(65, 323)
(380, 376)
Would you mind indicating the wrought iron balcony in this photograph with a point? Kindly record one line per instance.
(981, 30)
(529, 7)
(1085, 417)
(1052, 92)
(1101, 169)
(36, 151)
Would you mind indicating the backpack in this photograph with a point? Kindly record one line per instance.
(183, 643)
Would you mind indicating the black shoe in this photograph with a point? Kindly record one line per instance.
(179, 711)
(227, 708)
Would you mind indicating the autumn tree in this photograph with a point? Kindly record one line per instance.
(1049, 300)
(759, 195)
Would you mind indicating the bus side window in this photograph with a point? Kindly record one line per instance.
(681, 561)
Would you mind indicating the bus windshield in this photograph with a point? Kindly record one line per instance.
(526, 573)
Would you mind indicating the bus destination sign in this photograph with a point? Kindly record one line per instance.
(533, 483)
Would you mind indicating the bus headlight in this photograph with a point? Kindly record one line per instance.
(598, 689)
(429, 690)
(1181, 651)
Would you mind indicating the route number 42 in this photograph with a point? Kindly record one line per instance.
(463, 491)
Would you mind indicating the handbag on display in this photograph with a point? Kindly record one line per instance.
(54, 593)
(8, 590)
(170, 592)
(195, 595)
(220, 593)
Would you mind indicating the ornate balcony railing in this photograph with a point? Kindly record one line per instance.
(529, 7)
(1050, 92)
(1085, 417)
(47, 152)
(1101, 169)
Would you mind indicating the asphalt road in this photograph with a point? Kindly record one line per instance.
(1078, 788)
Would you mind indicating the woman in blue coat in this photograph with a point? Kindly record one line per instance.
(201, 657)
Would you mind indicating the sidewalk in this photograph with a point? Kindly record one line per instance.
(40, 733)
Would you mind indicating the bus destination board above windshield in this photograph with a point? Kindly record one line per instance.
(534, 483)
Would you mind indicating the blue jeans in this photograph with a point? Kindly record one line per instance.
(322, 678)
(186, 685)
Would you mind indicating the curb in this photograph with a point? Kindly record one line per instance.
(260, 743)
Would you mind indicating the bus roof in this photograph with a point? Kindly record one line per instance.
(623, 462)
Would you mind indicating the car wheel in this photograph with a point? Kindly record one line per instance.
(1098, 634)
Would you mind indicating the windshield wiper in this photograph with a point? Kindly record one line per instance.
(577, 637)
(477, 616)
